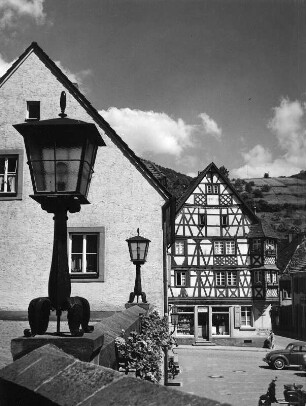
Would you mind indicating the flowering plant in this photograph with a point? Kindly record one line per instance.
(143, 351)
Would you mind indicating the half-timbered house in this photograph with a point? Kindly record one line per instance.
(223, 274)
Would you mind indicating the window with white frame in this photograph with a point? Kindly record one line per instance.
(271, 277)
(227, 247)
(181, 278)
(246, 316)
(220, 278)
(86, 253)
(11, 167)
(232, 278)
(212, 189)
(179, 247)
(270, 246)
(33, 110)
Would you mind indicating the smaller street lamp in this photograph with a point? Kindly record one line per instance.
(138, 247)
(61, 154)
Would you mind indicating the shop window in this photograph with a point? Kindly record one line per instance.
(220, 278)
(212, 189)
(220, 321)
(179, 247)
(185, 321)
(227, 247)
(86, 253)
(246, 316)
(181, 278)
(11, 171)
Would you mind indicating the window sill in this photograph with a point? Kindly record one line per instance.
(10, 197)
(85, 280)
(247, 328)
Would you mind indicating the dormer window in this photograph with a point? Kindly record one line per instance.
(33, 110)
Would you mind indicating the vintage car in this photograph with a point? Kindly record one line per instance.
(293, 355)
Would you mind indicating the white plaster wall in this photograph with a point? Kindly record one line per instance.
(121, 200)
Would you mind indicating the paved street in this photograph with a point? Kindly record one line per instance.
(236, 376)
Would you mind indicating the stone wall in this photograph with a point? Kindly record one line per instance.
(49, 377)
(121, 201)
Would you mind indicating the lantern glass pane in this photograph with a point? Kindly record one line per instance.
(142, 250)
(41, 157)
(133, 250)
(85, 178)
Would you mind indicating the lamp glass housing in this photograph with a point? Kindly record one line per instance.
(61, 155)
(138, 247)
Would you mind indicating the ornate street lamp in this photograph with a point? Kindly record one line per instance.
(61, 153)
(138, 247)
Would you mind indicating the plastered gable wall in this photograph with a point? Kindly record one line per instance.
(121, 201)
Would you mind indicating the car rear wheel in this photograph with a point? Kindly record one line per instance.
(279, 363)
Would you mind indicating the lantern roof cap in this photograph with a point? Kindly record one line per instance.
(138, 238)
(34, 127)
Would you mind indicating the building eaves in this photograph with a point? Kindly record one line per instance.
(100, 121)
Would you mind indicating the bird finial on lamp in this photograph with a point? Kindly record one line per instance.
(63, 105)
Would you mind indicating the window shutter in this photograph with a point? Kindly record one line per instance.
(237, 317)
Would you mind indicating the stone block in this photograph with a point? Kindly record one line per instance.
(49, 377)
(85, 348)
(131, 391)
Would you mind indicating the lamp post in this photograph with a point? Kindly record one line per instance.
(61, 153)
(138, 247)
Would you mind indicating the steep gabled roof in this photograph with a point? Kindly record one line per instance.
(287, 249)
(99, 120)
(298, 261)
(175, 182)
(195, 182)
(263, 230)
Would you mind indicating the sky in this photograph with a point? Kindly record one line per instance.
(183, 82)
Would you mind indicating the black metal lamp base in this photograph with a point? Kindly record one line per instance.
(78, 315)
(142, 294)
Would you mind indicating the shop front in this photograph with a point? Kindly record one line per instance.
(200, 323)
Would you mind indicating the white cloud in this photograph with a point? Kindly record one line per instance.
(77, 77)
(11, 10)
(4, 66)
(288, 125)
(210, 126)
(148, 131)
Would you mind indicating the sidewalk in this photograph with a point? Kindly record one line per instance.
(280, 343)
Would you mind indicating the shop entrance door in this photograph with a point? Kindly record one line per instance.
(203, 322)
